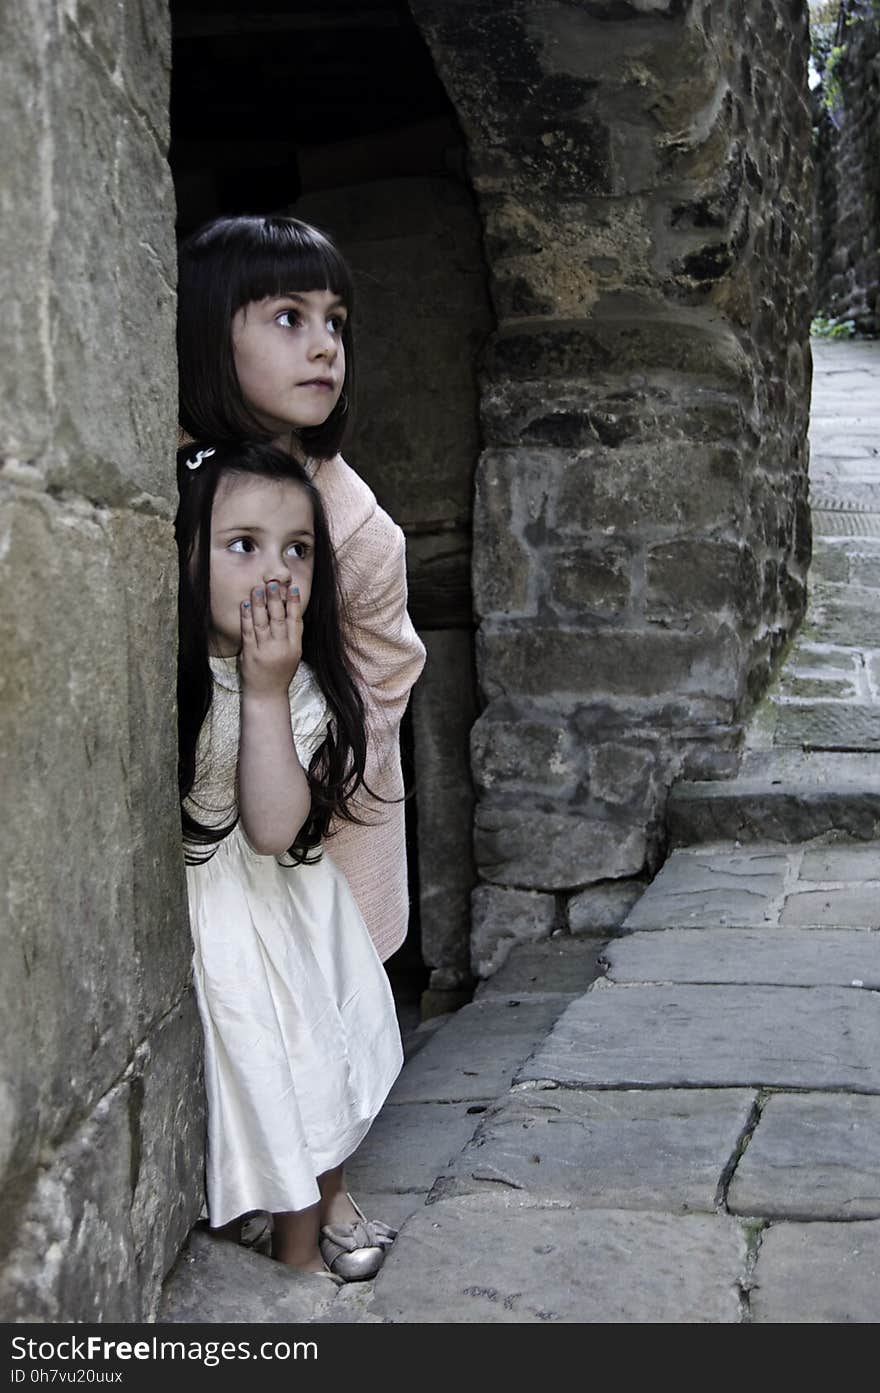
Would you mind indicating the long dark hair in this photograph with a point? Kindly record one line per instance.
(337, 770)
(223, 266)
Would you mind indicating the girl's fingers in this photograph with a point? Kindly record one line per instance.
(275, 607)
(247, 622)
(260, 612)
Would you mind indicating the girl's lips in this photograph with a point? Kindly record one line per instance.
(318, 382)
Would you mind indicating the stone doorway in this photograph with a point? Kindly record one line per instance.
(335, 113)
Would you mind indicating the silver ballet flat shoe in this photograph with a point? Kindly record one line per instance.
(355, 1251)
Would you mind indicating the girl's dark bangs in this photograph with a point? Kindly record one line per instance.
(287, 258)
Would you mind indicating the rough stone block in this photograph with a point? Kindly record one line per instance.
(501, 919)
(621, 774)
(408, 1146)
(167, 1126)
(561, 964)
(475, 1055)
(517, 660)
(504, 1259)
(603, 908)
(714, 1037)
(632, 491)
(694, 890)
(26, 204)
(818, 958)
(691, 578)
(841, 863)
(71, 1256)
(107, 965)
(217, 1282)
(818, 1273)
(633, 1149)
(444, 709)
(812, 1156)
(553, 850)
(593, 583)
(113, 382)
(513, 746)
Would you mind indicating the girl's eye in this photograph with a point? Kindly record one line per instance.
(299, 549)
(288, 319)
(336, 323)
(241, 544)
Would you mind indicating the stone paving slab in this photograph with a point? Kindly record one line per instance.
(408, 1146)
(828, 726)
(828, 1273)
(501, 1259)
(857, 906)
(815, 958)
(560, 965)
(218, 1282)
(841, 863)
(696, 1036)
(475, 1055)
(632, 1149)
(728, 887)
(392, 1208)
(755, 807)
(812, 1156)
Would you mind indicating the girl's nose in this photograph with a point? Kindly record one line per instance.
(280, 572)
(324, 344)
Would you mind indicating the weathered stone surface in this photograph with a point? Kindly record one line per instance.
(604, 907)
(408, 1146)
(841, 863)
(217, 1282)
(542, 662)
(113, 380)
(444, 709)
(70, 1250)
(798, 805)
(828, 1273)
(694, 889)
(851, 907)
(501, 919)
(812, 1156)
(514, 746)
(821, 957)
(98, 923)
(694, 578)
(631, 1149)
(550, 850)
(25, 233)
(476, 1054)
(501, 1259)
(718, 1036)
(167, 1127)
(561, 964)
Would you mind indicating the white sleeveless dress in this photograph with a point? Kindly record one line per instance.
(301, 1037)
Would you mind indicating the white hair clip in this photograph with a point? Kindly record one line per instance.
(197, 459)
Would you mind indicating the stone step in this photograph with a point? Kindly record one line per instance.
(782, 796)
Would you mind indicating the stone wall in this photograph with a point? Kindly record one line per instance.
(100, 1104)
(847, 137)
(641, 526)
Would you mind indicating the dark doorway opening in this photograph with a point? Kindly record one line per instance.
(336, 113)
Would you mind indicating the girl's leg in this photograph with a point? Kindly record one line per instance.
(295, 1239)
(336, 1207)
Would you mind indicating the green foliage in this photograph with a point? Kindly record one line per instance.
(824, 328)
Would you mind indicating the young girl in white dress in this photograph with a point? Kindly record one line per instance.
(301, 1038)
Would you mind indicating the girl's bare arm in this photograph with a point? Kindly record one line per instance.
(273, 791)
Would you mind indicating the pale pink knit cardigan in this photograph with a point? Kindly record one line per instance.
(388, 656)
